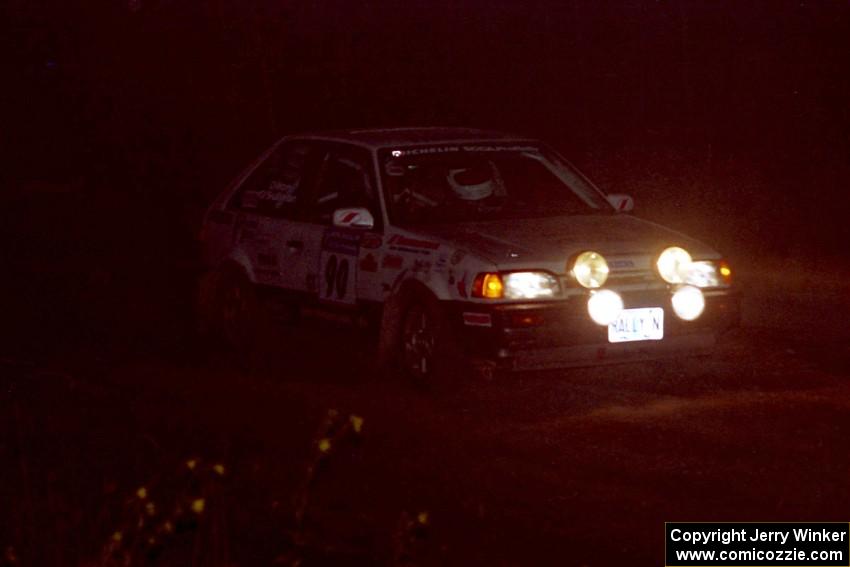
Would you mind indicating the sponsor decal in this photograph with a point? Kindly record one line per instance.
(466, 148)
(398, 240)
(425, 151)
(368, 263)
(286, 190)
(499, 149)
(277, 194)
(392, 262)
(477, 319)
(371, 241)
(621, 264)
(341, 241)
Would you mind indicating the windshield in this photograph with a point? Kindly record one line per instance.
(459, 183)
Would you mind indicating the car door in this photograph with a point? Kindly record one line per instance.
(346, 179)
(270, 205)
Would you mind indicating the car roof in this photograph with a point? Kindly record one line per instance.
(391, 137)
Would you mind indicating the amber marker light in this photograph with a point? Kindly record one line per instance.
(488, 285)
(725, 272)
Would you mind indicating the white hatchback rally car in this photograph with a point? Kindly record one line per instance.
(455, 245)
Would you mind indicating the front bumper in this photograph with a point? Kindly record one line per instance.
(561, 334)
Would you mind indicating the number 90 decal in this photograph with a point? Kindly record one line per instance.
(336, 277)
(337, 283)
(338, 266)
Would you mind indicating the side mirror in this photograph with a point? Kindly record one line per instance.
(621, 203)
(353, 217)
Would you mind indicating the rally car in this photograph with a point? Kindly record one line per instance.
(456, 246)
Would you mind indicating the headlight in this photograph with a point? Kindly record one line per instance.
(688, 302)
(530, 285)
(703, 274)
(590, 269)
(673, 265)
(708, 273)
(604, 306)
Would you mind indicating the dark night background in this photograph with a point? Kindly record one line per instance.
(729, 120)
(726, 119)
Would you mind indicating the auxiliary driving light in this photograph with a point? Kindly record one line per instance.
(590, 269)
(604, 306)
(674, 264)
(688, 302)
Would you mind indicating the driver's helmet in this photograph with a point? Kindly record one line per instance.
(471, 183)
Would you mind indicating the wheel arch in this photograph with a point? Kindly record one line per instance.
(238, 262)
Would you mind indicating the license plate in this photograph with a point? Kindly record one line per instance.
(646, 324)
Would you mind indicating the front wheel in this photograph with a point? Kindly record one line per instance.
(427, 354)
(418, 343)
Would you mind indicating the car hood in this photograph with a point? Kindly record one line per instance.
(553, 239)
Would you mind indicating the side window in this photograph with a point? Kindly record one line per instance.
(345, 180)
(274, 187)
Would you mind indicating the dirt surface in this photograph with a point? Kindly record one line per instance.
(571, 467)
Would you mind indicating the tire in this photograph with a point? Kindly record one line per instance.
(427, 354)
